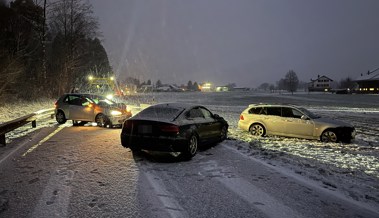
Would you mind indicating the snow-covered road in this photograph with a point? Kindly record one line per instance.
(85, 172)
(351, 170)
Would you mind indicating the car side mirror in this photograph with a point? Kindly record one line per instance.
(216, 116)
(304, 117)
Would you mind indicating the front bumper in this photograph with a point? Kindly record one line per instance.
(119, 120)
(154, 143)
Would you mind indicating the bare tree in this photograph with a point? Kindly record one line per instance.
(71, 25)
(291, 81)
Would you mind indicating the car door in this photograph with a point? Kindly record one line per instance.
(80, 108)
(294, 125)
(212, 125)
(273, 121)
(196, 116)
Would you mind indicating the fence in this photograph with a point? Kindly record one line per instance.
(16, 123)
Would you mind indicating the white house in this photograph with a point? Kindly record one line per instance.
(322, 83)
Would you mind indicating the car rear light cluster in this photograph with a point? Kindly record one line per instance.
(241, 117)
(169, 128)
(128, 125)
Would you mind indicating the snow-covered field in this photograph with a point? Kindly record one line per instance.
(352, 169)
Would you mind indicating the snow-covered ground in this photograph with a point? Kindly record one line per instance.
(352, 169)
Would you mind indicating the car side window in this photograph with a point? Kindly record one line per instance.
(287, 112)
(207, 114)
(256, 110)
(195, 113)
(274, 111)
(66, 100)
(297, 113)
(74, 100)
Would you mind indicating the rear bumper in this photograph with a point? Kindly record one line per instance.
(243, 125)
(169, 144)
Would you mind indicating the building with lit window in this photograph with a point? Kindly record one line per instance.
(369, 82)
(321, 84)
(206, 87)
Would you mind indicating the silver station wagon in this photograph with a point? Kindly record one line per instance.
(292, 121)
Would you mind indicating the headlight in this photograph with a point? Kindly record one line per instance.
(115, 113)
(110, 96)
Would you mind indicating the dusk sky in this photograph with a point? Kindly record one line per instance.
(247, 42)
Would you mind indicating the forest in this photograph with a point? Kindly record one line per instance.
(48, 47)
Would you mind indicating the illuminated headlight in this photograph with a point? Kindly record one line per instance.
(110, 96)
(115, 113)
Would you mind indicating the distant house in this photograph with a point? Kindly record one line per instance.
(322, 83)
(368, 83)
(168, 88)
(222, 88)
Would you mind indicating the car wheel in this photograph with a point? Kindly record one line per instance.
(60, 117)
(135, 149)
(223, 133)
(102, 120)
(257, 130)
(329, 136)
(191, 148)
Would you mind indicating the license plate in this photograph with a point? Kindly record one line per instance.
(145, 129)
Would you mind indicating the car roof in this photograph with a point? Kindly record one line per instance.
(177, 105)
(84, 94)
(272, 105)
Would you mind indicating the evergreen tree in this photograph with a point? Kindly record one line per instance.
(189, 85)
(158, 84)
(195, 87)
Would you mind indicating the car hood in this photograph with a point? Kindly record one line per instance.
(331, 122)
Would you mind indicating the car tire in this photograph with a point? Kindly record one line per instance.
(135, 149)
(191, 148)
(257, 130)
(223, 133)
(102, 120)
(329, 136)
(60, 117)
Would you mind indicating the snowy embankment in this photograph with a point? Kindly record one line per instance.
(352, 169)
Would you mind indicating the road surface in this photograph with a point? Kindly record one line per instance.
(66, 171)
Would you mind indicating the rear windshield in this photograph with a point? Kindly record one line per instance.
(163, 113)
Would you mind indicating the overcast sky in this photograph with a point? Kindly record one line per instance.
(247, 42)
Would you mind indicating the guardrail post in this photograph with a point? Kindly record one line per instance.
(2, 140)
(34, 123)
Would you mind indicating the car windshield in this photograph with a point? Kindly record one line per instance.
(98, 99)
(164, 113)
(309, 114)
(106, 101)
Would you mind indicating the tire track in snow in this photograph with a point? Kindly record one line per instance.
(170, 204)
(254, 196)
(56, 195)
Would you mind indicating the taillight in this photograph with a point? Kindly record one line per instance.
(127, 124)
(56, 104)
(241, 117)
(169, 128)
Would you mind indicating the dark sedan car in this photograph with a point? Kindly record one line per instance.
(173, 127)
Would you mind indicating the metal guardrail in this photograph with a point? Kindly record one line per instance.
(16, 123)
